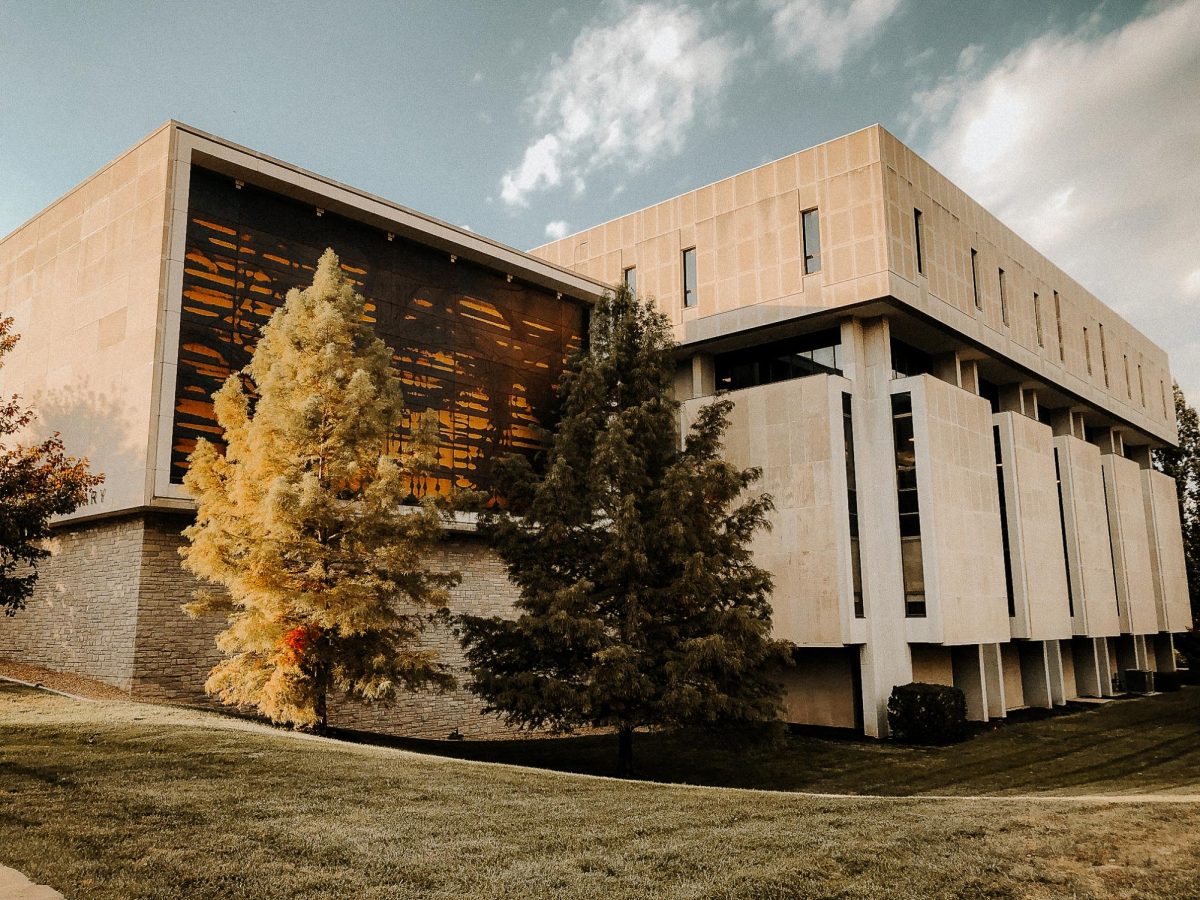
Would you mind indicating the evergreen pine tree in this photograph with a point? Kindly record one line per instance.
(639, 602)
(301, 520)
(1183, 464)
(37, 481)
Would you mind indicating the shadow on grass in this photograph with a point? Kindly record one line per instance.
(1136, 744)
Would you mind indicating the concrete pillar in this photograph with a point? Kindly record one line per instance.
(967, 663)
(1164, 652)
(1141, 648)
(1054, 672)
(946, 367)
(993, 679)
(886, 661)
(704, 375)
(1107, 669)
(1090, 676)
(1035, 673)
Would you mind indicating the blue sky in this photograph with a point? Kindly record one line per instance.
(1078, 123)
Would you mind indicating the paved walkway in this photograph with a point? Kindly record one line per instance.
(15, 886)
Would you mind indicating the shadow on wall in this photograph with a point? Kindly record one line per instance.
(98, 425)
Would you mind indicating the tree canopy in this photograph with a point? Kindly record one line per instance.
(1183, 464)
(302, 521)
(639, 601)
(37, 482)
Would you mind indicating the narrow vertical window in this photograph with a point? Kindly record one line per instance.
(1103, 355)
(975, 279)
(1062, 347)
(909, 507)
(1004, 542)
(1128, 380)
(1062, 523)
(1087, 351)
(1162, 389)
(1037, 319)
(852, 505)
(631, 279)
(689, 277)
(919, 235)
(811, 226)
(1142, 385)
(1112, 550)
(1003, 299)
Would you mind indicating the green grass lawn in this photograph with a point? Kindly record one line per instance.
(1142, 745)
(116, 799)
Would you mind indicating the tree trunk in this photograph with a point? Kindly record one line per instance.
(625, 752)
(320, 705)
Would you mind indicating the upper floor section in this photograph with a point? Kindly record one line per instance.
(863, 220)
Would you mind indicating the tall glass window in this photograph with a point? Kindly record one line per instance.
(689, 277)
(852, 504)
(975, 279)
(811, 227)
(1062, 522)
(1087, 350)
(919, 237)
(1003, 298)
(1037, 319)
(909, 506)
(1103, 355)
(631, 279)
(1008, 575)
(1062, 347)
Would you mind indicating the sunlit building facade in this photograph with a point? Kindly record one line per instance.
(957, 435)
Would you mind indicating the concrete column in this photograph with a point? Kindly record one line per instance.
(1164, 652)
(1108, 648)
(704, 375)
(1089, 675)
(1127, 653)
(1054, 672)
(993, 679)
(1035, 673)
(967, 663)
(1141, 649)
(886, 661)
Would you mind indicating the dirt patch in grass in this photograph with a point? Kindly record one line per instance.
(115, 799)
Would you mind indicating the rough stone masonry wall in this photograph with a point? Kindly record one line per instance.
(175, 653)
(82, 616)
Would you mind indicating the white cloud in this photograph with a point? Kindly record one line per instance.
(1088, 145)
(557, 229)
(626, 94)
(823, 34)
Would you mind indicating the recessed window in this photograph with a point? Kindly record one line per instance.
(852, 505)
(811, 227)
(1128, 380)
(689, 278)
(1142, 385)
(1004, 540)
(1087, 350)
(811, 354)
(975, 279)
(908, 505)
(1162, 389)
(631, 279)
(1037, 319)
(1003, 298)
(919, 236)
(1062, 350)
(1103, 355)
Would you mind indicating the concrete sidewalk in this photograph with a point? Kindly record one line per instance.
(15, 886)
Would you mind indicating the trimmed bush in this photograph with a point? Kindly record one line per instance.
(1166, 681)
(927, 713)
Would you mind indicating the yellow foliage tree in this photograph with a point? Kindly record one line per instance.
(302, 521)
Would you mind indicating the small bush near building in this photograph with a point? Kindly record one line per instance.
(927, 713)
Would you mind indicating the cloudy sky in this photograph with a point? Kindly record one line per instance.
(1077, 123)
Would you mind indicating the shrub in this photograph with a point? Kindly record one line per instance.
(927, 713)
(1187, 645)
(1166, 681)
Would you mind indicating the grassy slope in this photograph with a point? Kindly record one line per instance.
(126, 800)
(1141, 745)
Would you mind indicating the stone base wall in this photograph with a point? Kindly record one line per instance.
(82, 617)
(107, 606)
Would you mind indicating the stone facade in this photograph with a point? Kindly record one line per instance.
(108, 607)
(83, 617)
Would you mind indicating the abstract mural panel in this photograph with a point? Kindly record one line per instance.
(482, 352)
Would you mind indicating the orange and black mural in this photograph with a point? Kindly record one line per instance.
(484, 353)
